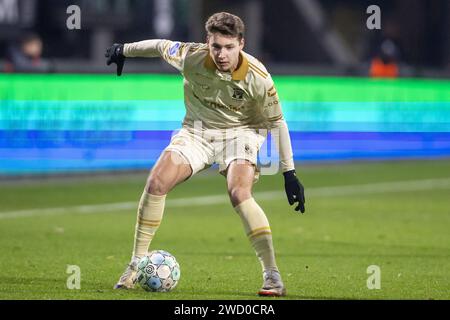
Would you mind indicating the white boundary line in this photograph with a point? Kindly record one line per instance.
(343, 190)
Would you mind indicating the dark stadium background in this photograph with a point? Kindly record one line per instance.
(281, 33)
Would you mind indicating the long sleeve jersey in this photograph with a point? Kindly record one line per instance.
(245, 98)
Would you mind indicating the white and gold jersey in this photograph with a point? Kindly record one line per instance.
(245, 98)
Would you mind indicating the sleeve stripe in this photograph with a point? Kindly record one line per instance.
(276, 118)
(257, 71)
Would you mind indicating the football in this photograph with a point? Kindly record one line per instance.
(158, 271)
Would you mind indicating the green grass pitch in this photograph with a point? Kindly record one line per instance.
(399, 220)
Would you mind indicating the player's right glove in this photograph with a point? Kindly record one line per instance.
(294, 190)
(115, 55)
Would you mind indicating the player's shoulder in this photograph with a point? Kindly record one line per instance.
(196, 54)
(196, 49)
(254, 63)
(258, 71)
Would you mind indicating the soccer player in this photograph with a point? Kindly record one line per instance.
(230, 99)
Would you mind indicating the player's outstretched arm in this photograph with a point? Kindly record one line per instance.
(114, 54)
(172, 52)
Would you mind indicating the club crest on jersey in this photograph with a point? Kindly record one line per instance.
(238, 94)
(248, 150)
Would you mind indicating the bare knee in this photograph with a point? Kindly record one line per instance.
(156, 185)
(238, 195)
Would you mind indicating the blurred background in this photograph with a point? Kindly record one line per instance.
(348, 92)
(314, 37)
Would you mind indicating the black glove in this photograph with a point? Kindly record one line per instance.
(115, 55)
(294, 190)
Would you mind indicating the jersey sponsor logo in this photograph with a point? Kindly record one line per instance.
(238, 94)
(216, 105)
(174, 49)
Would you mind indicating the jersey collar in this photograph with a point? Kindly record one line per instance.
(238, 74)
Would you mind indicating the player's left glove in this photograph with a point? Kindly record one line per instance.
(115, 55)
(294, 190)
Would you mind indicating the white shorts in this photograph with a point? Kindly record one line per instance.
(202, 148)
